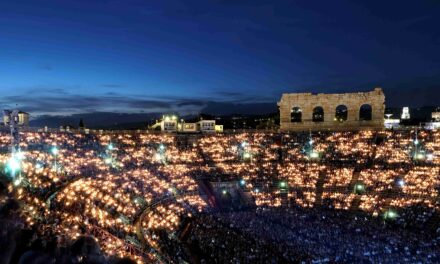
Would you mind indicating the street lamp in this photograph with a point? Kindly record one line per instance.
(283, 184)
(54, 151)
(13, 165)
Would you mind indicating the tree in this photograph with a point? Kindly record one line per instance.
(81, 123)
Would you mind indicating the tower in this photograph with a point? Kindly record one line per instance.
(405, 113)
(11, 119)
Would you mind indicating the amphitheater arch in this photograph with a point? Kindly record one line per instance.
(296, 114)
(366, 112)
(341, 113)
(318, 114)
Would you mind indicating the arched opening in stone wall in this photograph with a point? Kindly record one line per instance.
(365, 112)
(341, 113)
(296, 114)
(318, 114)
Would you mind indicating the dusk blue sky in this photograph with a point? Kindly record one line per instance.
(63, 57)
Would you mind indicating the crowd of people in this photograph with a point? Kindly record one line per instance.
(321, 235)
(143, 195)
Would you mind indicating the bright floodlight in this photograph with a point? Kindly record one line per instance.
(311, 141)
(17, 182)
(108, 160)
(420, 156)
(242, 182)
(54, 150)
(158, 157)
(246, 155)
(390, 214)
(283, 184)
(19, 155)
(13, 165)
(314, 155)
(110, 146)
(401, 182)
(416, 142)
(359, 188)
(243, 144)
(161, 147)
(257, 190)
(224, 192)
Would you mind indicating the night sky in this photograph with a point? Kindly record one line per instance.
(67, 57)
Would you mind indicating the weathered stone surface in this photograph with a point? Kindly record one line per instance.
(353, 101)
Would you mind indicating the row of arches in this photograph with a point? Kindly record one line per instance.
(341, 113)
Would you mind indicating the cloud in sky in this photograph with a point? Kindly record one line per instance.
(41, 101)
(57, 101)
(113, 85)
(66, 104)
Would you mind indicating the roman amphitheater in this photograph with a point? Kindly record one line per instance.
(345, 111)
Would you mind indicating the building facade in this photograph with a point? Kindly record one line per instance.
(345, 111)
(206, 125)
(23, 118)
(170, 123)
(189, 127)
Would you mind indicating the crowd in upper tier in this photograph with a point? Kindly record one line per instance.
(141, 195)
